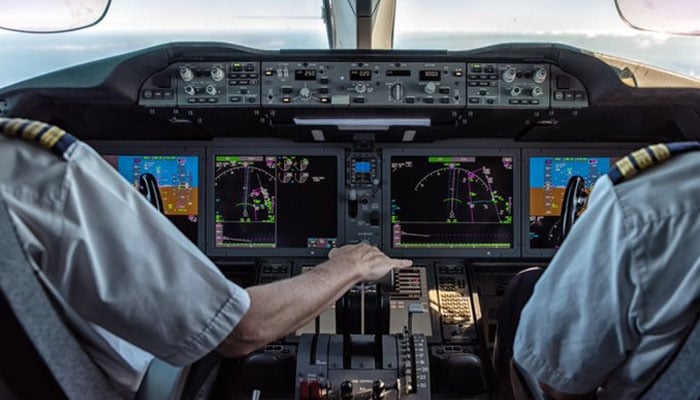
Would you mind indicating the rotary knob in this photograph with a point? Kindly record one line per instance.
(515, 91)
(217, 74)
(509, 74)
(211, 90)
(397, 91)
(378, 390)
(305, 93)
(537, 91)
(189, 90)
(186, 74)
(346, 390)
(430, 88)
(540, 75)
(360, 87)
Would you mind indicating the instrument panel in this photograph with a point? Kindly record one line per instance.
(458, 198)
(362, 85)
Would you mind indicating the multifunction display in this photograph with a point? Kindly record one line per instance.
(451, 202)
(275, 201)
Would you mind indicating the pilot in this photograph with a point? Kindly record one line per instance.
(620, 295)
(139, 286)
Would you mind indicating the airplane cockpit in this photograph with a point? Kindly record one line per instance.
(469, 147)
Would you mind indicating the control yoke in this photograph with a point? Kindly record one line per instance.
(148, 186)
(573, 205)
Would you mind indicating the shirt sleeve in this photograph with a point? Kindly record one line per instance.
(129, 270)
(575, 328)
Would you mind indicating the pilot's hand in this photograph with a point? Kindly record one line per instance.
(369, 261)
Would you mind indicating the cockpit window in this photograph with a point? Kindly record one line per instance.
(135, 24)
(641, 58)
(592, 25)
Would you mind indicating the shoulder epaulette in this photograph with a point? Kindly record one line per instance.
(647, 157)
(47, 136)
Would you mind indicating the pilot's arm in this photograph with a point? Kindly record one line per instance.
(579, 323)
(282, 307)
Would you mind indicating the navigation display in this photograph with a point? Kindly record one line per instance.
(548, 179)
(275, 201)
(440, 202)
(178, 182)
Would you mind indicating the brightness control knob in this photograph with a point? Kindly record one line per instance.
(304, 93)
(218, 74)
(430, 88)
(397, 91)
(186, 74)
(509, 74)
(540, 75)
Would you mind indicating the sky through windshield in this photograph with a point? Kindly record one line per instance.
(274, 24)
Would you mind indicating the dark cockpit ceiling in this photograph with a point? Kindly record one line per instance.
(583, 100)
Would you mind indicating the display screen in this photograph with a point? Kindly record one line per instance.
(548, 179)
(178, 182)
(363, 167)
(360, 74)
(451, 202)
(273, 201)
(305, 75)
(398, 72)
(430, 75)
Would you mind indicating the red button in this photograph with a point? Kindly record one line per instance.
(304, 390)
(315, 390)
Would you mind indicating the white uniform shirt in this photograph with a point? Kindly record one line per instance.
(137, 284)
(619, 295)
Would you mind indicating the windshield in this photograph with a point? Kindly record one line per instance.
(136, 24)
(281, 24)
(593, 25)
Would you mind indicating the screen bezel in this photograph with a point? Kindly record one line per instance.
(527, 154)
(158, 149)
(442, 252)
(212, 152)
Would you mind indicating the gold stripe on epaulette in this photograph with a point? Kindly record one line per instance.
(51, 136)
(13, 126)
(643, 159)
(32, 130)
(626, 167)
(661, 152)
